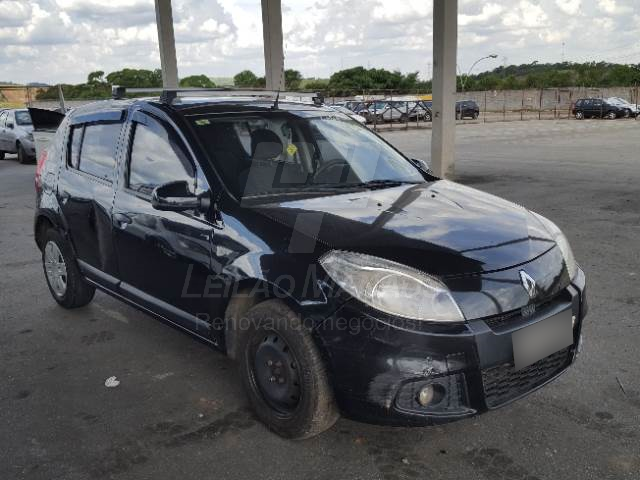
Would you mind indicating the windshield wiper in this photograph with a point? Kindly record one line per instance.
(371, 184)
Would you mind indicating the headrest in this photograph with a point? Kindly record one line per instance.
(265, 144)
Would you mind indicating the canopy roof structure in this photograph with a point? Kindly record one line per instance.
(445, 38)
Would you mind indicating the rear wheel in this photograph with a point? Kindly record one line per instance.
(64, 279)
(1, 155)
(427, 117)
(283, 372)
(475, 115)
(610, 115)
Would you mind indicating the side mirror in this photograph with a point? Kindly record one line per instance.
(10, 125)
(422, 165)
(176, 197)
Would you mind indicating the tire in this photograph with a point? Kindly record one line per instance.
(458, 116)
(23, 158)
(71, 291)
(610, 115)
(579, 115)
(283, 372)
(475, 115)
(1, 155)
(627, 113)
(427, 117)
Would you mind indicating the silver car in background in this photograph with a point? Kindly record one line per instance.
(630, 109)
(16, 135)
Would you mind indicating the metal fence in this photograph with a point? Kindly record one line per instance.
(493, 106)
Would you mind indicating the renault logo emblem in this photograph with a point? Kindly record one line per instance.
(528, 283)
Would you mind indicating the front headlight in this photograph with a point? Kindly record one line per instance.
(563, 244)
(391, 287)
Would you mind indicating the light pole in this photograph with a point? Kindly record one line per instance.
(463, 79)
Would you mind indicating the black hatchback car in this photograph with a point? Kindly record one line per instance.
(467, 109)
(596, 108)
(341, 275)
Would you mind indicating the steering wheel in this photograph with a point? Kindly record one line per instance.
(330, 164)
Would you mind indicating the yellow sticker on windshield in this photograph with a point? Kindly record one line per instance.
(292, 149)
(202, 121)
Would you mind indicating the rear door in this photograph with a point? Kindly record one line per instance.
(164, 258)
(597, 106)
(85, 191)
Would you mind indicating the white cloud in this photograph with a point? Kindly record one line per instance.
(63, 40)
(570, 7)
(527, 14)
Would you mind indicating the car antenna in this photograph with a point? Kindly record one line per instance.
(275, 103)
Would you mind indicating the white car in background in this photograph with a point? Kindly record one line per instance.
(631, 109)
(349, 113)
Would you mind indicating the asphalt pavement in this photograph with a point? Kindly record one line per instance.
(179, 410)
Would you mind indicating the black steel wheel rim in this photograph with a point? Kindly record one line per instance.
(275, 373)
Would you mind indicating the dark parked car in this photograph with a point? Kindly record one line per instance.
(341, 275)
(596, 108)
(467, 109)
(16, 135)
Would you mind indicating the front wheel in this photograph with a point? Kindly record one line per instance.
(579, 115)
(283, 372)
(627, 113)
(22, 154)
(64, 279)
(1, 155)
(427, 117)
(475, 115)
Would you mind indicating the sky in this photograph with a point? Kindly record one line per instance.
(61, 41)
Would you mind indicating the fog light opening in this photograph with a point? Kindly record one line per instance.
(426, 395)
(431, 394)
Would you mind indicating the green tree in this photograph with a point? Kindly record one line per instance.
(136, 78)
(95, 77)
(197, 81)
(292, 79)
(246, 78)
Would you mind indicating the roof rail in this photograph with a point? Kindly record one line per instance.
(169, 95)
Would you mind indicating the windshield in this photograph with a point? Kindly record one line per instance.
(272, 153)
(23, 117)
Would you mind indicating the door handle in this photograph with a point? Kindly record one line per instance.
(121, 220)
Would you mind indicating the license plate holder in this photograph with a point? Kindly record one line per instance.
(541, 339)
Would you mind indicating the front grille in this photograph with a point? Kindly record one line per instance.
(508, 320)
(504, 383)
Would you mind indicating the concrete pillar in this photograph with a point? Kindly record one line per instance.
(167, 44)
(273, 51)
(445, 45)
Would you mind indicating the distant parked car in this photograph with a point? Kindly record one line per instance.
(349, 113)
(467, 109)
(16, 135)
(630, 109)
(596, 108)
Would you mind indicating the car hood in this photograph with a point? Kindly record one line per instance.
(440, 227)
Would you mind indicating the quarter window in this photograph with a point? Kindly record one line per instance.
(156, 158)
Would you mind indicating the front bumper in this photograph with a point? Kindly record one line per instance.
(377, 368)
